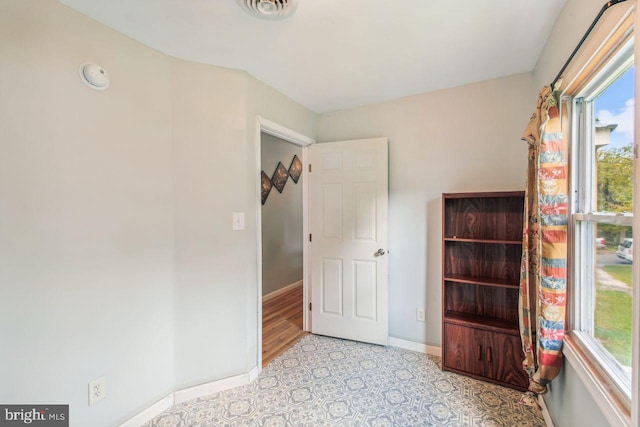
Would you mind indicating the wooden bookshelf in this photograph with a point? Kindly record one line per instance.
(482, 247)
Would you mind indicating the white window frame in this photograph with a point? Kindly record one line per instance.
(609, 385)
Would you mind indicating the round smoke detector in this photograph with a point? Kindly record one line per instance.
(268, 9)
(94, 76)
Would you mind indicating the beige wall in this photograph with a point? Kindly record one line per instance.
(216, 174)
(461, 139)
(86, 220)
(281, 220)
(575, 19)
(117, 255)
(209, 136)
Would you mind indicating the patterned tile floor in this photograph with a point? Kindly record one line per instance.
(331, 382)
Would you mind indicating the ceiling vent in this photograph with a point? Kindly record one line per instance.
(268, 9)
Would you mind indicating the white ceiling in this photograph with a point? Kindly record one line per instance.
(337, 54)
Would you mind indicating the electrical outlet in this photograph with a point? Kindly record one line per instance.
(420, 314)
(97, 390)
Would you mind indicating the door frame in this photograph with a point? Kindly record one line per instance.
(303, 141)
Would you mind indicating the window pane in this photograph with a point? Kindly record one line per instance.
(613, 129)
(612, 292)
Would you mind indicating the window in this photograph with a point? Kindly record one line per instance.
(602, 162)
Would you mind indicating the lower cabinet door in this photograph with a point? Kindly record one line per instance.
(492, 355)
(503, 359)
(464, 349)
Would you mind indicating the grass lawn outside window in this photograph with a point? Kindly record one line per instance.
(613, 312)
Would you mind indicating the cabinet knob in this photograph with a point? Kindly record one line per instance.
(489, 354)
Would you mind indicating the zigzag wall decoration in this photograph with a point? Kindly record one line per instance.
(280, 177)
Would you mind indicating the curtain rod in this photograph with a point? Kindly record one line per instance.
(584, 38)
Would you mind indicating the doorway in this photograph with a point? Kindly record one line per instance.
(280, 243)
(282, 246)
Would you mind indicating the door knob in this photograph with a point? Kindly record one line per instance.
(380, 252)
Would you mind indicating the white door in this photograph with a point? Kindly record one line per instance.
(348, 213)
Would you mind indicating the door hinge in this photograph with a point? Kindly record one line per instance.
(309, 167)
(309, 306)
(309, 236)
(635, 150)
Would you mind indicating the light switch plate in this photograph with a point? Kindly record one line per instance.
(238, 220)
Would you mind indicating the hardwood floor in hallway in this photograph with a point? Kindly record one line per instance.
(281, 324)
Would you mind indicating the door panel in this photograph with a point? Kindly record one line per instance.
(332, 211)
(348, 222)
(504, 360)
(365, 210)
(365, 287)
(464, 349)
(332, 288)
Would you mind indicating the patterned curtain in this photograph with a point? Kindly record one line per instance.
(543, 276)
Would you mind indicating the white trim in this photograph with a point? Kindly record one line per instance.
(306, 245)
(150, 413)
(596, 388)
(190, 393)
(279, 131)
(545, 411)
(253, 374)
(415, 346)
(213, 387)
(258, 202)
(281, 291)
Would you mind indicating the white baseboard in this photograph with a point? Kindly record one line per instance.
(280, 291)
(150, 413)
(545, 411)
(253, 374)
(415, 346)
(189, 394)
(213, 387)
